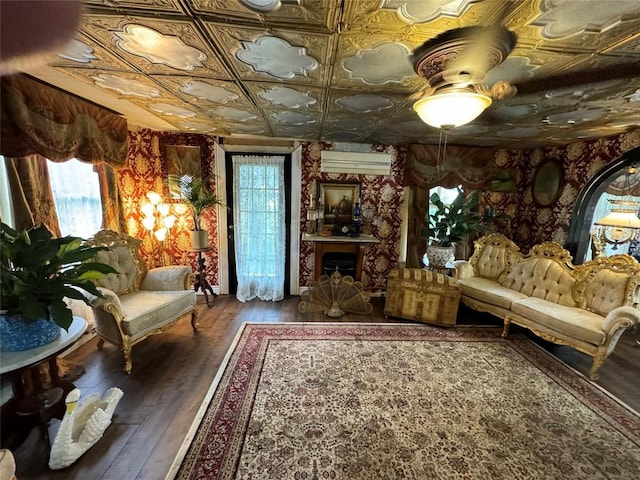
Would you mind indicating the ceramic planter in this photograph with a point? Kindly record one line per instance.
(17, 334)
(199, 239)
(440, 256)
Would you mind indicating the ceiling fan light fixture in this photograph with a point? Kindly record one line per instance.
(451, 109)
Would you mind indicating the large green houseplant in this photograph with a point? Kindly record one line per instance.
(449, 224)
(195, 192)
(38, 271)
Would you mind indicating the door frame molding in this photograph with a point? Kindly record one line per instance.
(295, 207)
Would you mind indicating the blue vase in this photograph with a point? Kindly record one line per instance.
(17, 334)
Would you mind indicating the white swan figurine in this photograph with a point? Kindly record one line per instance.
(82, 426)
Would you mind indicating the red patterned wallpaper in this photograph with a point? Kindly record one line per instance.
(383, 193)
(532, 224)
(145, 172)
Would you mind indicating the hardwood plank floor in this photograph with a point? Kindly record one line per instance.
(173, 371)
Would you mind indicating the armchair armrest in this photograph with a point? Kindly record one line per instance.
(171, 278)
(620, 318)
(110, 303)
(464, 269)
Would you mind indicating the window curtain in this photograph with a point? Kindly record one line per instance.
(32, 197)
(259, 225)
(39, 122)
(31, 193)
(37, 118)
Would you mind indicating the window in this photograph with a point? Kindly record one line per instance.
(76, 192)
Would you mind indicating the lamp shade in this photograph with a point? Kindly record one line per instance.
(451, 109)
(620, 219)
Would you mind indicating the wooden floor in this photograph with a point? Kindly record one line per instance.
(173, 371)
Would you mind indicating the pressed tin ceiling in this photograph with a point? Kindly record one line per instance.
(341, 70)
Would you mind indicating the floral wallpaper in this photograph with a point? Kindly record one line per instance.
(145, 171)
(382, 193)
(532, 224)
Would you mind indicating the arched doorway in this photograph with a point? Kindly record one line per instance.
(579, 229)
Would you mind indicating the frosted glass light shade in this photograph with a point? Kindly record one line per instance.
(620, 219)
(453, 109)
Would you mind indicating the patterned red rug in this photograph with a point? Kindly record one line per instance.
(360, 401)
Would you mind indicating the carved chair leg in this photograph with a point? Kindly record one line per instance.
(100, 343)
(194, 320)
(505, 330)
(126, 351)
(598, 360)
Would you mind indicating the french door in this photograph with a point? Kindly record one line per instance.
(258, 226)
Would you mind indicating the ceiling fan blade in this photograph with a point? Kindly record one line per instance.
(565, 80)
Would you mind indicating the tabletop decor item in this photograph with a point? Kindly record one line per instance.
(37, 272)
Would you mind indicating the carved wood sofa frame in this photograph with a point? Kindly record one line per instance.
(587, 307)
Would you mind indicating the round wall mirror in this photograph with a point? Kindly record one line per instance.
(548, 181)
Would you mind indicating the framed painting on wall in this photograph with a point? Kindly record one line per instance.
(181, 160)
(337, 200)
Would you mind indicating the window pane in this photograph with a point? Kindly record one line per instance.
(76, 192)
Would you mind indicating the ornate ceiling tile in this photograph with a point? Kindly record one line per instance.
(197, 126)
(424, 11)
(288, 97)
(386, 63)
(153, 46)
(313, 14)
(364, 103)
(156, 6)
(293, 118)
(204, 92)
(276, 57)
(83, 51)
(171, 110)
(290, 55)
(232, 114)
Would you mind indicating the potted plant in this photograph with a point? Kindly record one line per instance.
(450, 224)
(195, 193)
(37, 272)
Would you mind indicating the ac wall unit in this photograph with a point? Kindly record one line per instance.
(372, 163)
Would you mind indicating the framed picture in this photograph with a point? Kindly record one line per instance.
(548, 182)
(503, 180)
(181, 160)
(338, 200)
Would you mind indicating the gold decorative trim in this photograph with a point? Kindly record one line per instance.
(622, 263)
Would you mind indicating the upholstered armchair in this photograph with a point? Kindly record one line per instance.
(137, 302)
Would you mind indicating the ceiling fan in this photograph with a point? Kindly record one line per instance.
(454, 64)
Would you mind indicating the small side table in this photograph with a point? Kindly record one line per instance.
(201, 282)
(45, 403)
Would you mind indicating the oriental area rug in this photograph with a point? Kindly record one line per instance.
(394, 401)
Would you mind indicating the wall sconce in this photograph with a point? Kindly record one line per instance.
(621, 225)
(157, 219)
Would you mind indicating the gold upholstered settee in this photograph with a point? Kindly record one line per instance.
(587, 307)
(137, 302)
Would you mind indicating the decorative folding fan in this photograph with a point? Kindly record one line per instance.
(336, 295)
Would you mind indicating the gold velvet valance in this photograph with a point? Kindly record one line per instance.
(39, 119)
(471, 167)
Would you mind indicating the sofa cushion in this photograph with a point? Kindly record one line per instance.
(489, 291)
(572, 321)
(118, 257)
(542, 278)
(492, 262)
(147, 310)
(606, 291)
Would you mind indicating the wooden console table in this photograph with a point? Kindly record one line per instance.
(339, 244)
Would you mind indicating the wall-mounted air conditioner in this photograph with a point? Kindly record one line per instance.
(371, 163)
